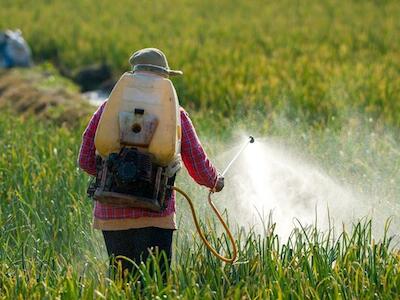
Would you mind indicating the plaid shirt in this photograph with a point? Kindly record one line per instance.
(193, 156)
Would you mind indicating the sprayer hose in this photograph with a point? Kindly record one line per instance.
(202, 236)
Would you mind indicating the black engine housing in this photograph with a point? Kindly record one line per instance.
(132, 172)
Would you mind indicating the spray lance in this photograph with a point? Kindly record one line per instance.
(231, 259)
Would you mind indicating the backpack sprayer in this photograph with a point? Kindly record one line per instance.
(232, 259)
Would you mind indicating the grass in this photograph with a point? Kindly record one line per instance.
(48, 249)
(42, 92)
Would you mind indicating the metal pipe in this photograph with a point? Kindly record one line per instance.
(249, 141)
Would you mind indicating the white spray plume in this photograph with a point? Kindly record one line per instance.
(269, 178)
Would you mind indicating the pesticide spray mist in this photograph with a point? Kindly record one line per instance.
(272, 182)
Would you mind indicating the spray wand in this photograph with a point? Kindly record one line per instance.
(250, 140)
(231, 259)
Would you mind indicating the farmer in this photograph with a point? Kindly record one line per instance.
(134, 232)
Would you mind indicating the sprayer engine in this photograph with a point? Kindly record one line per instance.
(131, 170)
(130, 178)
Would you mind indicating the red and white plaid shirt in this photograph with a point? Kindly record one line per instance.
(193, 156)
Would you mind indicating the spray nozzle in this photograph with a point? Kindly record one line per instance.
(251, 139)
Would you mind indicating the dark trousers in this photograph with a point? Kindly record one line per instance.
(136, 245)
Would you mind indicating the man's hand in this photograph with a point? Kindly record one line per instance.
(219, 185)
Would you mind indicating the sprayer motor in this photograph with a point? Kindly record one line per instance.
(131, 179)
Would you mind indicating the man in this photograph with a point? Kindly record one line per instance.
(131, 232)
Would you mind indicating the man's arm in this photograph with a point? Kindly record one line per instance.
(194, 157)
(87, 152)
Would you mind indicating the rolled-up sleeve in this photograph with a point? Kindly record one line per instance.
(87, 152)
(194, 157)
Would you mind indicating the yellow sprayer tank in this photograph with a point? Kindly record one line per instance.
(148, 106)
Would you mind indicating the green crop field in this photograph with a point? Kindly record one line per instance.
(320, 77)
(48, 249)
(308, 59)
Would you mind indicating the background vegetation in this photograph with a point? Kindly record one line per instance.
(301, 59)
(324, 75)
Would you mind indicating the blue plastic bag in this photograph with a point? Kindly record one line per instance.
(14, 51)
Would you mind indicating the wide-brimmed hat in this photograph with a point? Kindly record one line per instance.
(153, 60)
